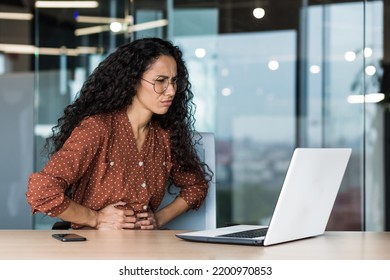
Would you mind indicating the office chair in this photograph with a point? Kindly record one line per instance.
(206, 216)
(60, 225)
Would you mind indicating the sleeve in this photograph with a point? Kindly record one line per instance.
(46, 189)
(193, 189)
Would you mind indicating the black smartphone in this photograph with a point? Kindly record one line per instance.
(68, 237)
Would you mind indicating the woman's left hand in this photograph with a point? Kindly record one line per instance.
(147, 220)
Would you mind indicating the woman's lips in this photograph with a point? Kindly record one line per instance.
(166, 103)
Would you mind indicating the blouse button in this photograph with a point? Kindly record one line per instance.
(111, 163)
(163, 163)
(140, 163)
(145, 207)
(143, 185)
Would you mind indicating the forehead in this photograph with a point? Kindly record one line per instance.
(164, 66)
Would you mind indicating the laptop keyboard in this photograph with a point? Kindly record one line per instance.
(247, 233)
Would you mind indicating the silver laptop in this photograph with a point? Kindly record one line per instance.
(304, 205)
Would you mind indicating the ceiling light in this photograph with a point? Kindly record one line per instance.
(367, 52)
(315, 69)
(103, 20)
(14, 48)
(368, 98)
(148, 25)
(116, 27)
(66, 4)
(91, 30)
(16, 16)
(259, 13)
(200, 52)
(31, 49)
(226, 91)
(273, 65)
(370, 70)
(350, 56)
(132, 28)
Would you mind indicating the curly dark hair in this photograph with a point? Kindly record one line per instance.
(112, 86)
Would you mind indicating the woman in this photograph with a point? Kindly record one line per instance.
(127, 134)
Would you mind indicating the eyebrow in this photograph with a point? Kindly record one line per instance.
(166, 77)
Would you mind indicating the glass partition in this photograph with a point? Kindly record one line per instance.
(16, 114)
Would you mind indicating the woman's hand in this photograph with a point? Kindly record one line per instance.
(147, 220)
(113, 217)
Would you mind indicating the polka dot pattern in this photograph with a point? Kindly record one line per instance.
(102, 164)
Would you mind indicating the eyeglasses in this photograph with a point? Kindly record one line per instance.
(161, 84)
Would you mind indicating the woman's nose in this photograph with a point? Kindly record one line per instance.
(171, 89)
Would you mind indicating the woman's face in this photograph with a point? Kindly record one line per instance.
(157, 86)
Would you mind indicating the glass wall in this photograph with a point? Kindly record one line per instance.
(268, 76)
(344, 47)
(16, 114)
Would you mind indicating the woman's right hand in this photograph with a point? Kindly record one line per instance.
(114, 217)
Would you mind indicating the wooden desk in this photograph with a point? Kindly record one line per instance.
(146, 245)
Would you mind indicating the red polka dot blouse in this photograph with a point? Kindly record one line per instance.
(101, 162)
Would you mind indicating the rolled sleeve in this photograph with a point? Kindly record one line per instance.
(46, 189)
(193, 189)
(46, 194)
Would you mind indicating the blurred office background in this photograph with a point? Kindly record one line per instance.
(268, 76)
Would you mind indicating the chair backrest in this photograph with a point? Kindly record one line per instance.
(206, 216)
